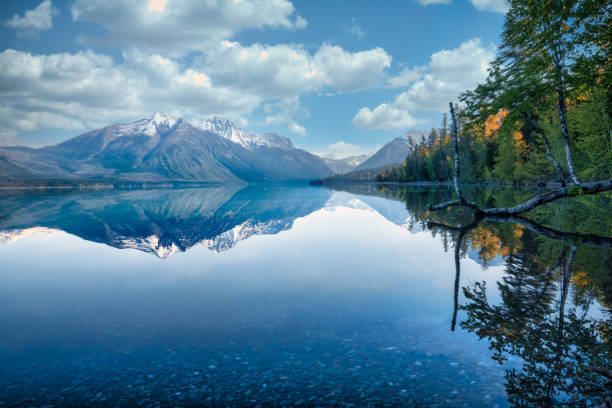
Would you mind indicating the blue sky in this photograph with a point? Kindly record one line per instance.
(338, 77)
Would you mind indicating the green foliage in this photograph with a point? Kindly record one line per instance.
(553, 71)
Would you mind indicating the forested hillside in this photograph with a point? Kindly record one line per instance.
(550, 82)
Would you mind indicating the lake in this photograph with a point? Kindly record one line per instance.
(354, 295)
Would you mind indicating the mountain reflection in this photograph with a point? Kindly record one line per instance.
(552, 313)
(162, 222)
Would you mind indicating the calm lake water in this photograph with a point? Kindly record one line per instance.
(302, 296)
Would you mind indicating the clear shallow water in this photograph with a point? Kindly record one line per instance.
(284, 296)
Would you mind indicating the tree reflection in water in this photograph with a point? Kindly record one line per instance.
(565, 350)
(556, 294)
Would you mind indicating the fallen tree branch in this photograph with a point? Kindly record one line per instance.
(569, 237)
(584, 189)
(593, 187)
(573, 237)
(453, 203)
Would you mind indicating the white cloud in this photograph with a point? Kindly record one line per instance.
(86, 89)
(349, 72)
(385, 117)
(38, 19)
(283, 111)
(429, 2)
(354, 29)
(448, 73)
(405, 77)
(300, 22)
(297, 129)
(342, 149)
(157, 5)
(179, 27)
(283, 71)
(497, 6)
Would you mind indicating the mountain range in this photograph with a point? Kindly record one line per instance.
(393, 152)
(163, 148)
(346, 164)
(163, 222)
(167, 149)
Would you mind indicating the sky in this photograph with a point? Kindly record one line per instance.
(337, 77)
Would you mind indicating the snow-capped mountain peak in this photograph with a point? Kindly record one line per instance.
(150, 244)
(159, 122)
(225, 128)
(250, 140)
(230, 238)
(161, 119)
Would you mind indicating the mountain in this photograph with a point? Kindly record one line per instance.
(249, 140)
(166, 149)
(345, 165)
(393, 152)
(284, 161)
(159, 221)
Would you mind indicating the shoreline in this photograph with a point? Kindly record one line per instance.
(315, 183)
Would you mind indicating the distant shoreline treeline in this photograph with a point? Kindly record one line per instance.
(88, 184)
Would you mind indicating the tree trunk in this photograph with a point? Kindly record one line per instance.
(565, 286)
(540, 131)
(562, 107)
(456, 151)
(568, 153)
(560, 171)
(457, 275)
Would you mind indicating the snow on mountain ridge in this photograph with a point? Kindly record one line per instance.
(150, 244)
(150, 127)
(160, 118)
(230, 238)
(250, 140)
(7, 237)
(161, 123)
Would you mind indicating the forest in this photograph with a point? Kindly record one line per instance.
(544, 112)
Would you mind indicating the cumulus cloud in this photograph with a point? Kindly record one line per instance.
(297, 129)
(342, 149)
(84, 90)
(38, 19)
(177, 28)
(385, 117)
(87, 89)
(405, 77)
(497, 6)
(284, 70)
(448, 73)
(283, 111)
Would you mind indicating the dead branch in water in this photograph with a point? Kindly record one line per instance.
(579, 188)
